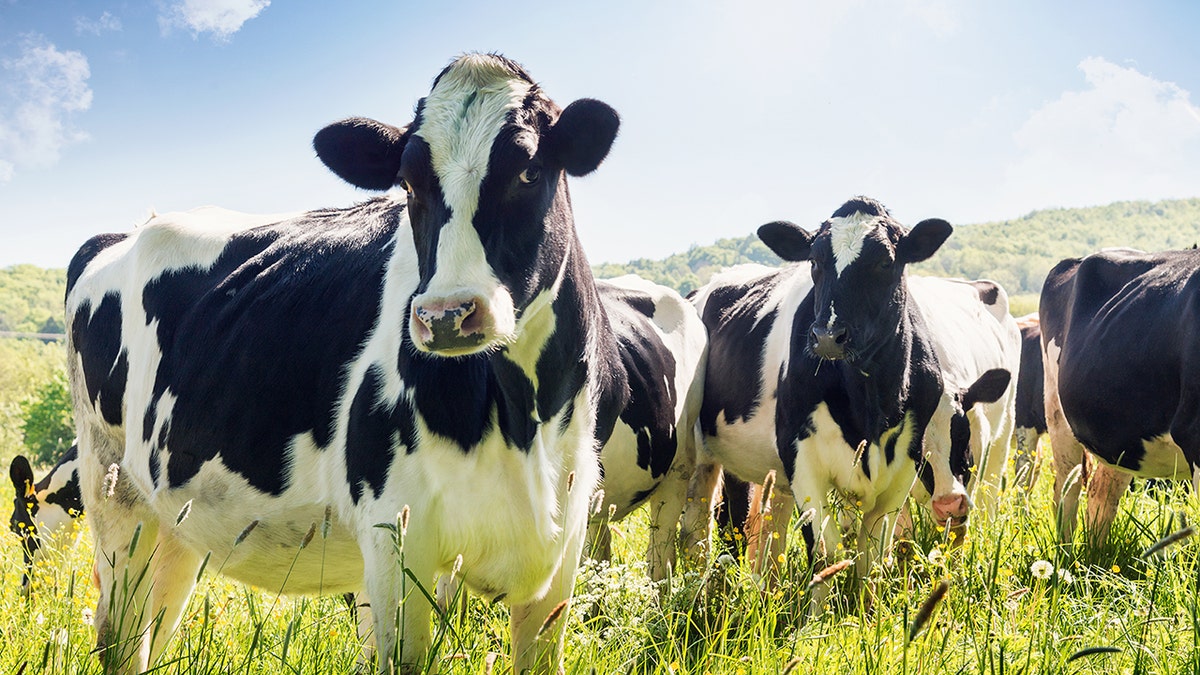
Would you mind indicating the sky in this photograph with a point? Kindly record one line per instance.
(733, 113)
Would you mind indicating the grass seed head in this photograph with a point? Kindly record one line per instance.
(925, 613)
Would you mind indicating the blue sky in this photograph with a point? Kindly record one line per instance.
(733, 113)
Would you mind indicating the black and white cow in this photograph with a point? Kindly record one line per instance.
(847, 374)
(1030, 405)
(43, 510)
(1122, 362)
(654, 453)
(438, 358)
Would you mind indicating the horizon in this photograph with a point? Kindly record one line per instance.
(732, 116)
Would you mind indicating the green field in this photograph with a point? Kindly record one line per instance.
(1100, 611)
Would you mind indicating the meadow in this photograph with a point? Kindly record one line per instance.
(1014, 602)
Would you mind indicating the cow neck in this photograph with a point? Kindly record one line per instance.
(890, 375)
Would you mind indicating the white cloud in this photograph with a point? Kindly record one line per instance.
(221, 18)
(1125, 136)
(107, 22)
(40, 90)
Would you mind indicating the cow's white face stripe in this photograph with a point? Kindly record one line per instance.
(461, 119)
(846, 237)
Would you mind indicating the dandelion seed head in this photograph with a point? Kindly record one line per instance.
(1041, 569)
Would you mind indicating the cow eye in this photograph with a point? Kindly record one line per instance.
(405, 186)
(530, 175)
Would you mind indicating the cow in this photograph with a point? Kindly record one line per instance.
(1030, 403)
(829, 373)
(654, 454)
(436, 361)
(1118, 339)
(43, 509)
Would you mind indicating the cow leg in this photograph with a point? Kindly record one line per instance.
(535, 650)
(396, 600)
(1027, 460)
(1104, 489)
(666, 506)
(175, 569)
(695, 532)
(124, 564)
(766, 531)
(1068, 454)
(599, 539)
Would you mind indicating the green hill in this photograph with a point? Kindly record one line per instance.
(1017, 253)
(31, 299)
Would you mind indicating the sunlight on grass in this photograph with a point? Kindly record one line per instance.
(1011, 601)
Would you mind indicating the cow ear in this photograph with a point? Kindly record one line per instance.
(582, 136)
(923, 240)
(787, 240)
(22, 476)
(362, 152)
(988, 388)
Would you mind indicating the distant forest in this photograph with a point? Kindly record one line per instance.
(1017, 253)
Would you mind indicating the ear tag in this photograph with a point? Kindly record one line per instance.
(29, 492)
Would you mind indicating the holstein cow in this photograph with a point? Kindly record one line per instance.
(1120, 341)
(439, 361)
(654, 453)
(830, 374)
(42, 509)
(1030, 405)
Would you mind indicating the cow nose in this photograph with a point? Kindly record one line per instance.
(829, 343)
(951, 507)
(448, 324)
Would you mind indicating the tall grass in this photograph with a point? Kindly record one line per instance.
(1011, 601)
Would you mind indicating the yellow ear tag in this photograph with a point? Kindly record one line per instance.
(28, 488)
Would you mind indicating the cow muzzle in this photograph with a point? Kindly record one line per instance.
(452, 326)
(828, 343)
(952, 508)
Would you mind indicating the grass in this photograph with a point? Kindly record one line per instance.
(1096, 611)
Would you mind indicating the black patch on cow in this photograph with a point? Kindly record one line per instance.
(1124, 321)
(369, 437)
(1030, 398)
(255, 347)
(86, 253)
(96, 337)
(737, 339)
(989, 292)
(650, 371)
(861, 204)
(961, 459)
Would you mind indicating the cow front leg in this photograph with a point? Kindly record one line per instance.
(1068, 454)
(397, 601)
(538, 628)
(1104, 489)
(695, 530)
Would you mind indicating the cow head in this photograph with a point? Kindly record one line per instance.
(953, 504)
(25, 507)
(858, 258)
(484, 166)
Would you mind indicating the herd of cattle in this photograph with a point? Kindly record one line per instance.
(440, 359)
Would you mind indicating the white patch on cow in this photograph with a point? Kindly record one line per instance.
(1163, 459)
(832, 317)
(460, 121)
(846, 236)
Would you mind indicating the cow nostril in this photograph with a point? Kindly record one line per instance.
(840, 337)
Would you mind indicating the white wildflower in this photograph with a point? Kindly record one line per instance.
(1065, 576)
(936, 557)
(86, 616)
(1042, 569)
(41, 619)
